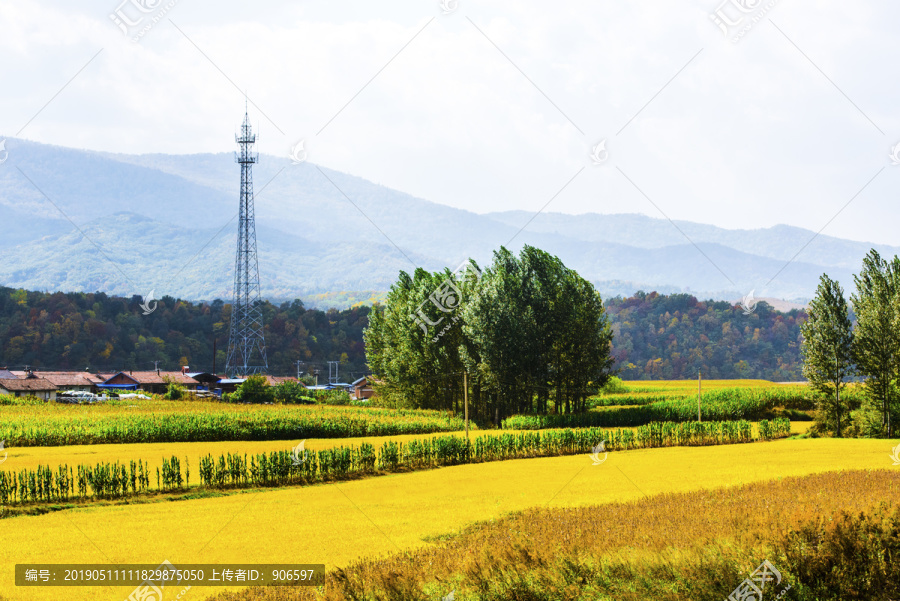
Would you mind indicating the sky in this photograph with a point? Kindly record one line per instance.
(783, 112)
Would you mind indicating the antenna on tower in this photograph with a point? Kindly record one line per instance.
(246, 344)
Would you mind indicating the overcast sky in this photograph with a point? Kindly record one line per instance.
(496, 105)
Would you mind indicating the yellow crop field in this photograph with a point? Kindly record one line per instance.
(335, 524)
(690, 386)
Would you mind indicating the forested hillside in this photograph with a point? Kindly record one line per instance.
(78, 330)
(674, 336)
(656, 336)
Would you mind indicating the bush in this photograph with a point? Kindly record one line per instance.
(337, 396)
(291, 392)
(866, 421)
(255, 389)
(174, 392)
(614, 385)
(8, 399)
(848, 557)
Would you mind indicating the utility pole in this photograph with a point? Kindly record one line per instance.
(299, 363)
(317, 382)
(466, 397)
(333, 379)
(699, 392)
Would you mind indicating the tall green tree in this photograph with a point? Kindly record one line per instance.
(541, 332)
(531, 334)
(413, 341)
(503, 323)
(827, 349)
(877, 342)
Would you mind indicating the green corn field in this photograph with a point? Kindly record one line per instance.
(195, 422)
(623, 410)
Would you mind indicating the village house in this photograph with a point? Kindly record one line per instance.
(63, 380)
(361, 388)
(205, 380)
(156, 382)
(276, 380)
(31, 386)
(96, 380)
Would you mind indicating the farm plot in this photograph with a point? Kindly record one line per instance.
(54, 424)
(340, 523)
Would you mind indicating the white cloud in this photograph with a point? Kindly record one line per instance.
(748, 135)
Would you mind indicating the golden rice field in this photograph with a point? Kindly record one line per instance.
(691, 546)
(690, 386)
(336, 524)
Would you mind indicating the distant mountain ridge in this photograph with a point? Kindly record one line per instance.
(161, 222)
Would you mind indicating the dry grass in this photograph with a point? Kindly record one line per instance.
(635, 537)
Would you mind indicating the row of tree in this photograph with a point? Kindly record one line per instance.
(529, 335)
(106, 333)
(835, 350)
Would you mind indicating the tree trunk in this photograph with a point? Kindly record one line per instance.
(837, 406)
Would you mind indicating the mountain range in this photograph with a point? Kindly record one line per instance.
(78, 220)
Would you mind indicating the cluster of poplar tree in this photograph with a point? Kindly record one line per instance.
(837, 348)
(528, 335)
